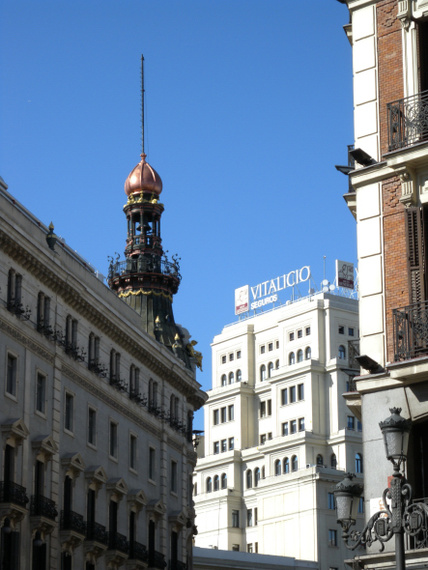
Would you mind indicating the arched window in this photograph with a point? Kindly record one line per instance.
(270, 369)
(358, 463)
(294, 463)
(216, 483)
(300, 355)
(224, 380)
(223, 481)
(277, 467)
(291, 358)
(308, 353)
(238, 375)
(277, 364)
(256, 476)
(209, 485)
(262, 373)
(249, 479)
(333, 461)
(320, 460)
(342, 352)
(286, 465)
(231, 377)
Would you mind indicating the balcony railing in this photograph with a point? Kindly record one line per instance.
(13, 493)
(145, 264)
(410, 331)
(117, 541)
(157, 560)
(97, 532)
(73, 521)
(138, 551)
(408, 121)
(43, 507)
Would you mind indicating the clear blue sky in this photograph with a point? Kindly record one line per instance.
(248, 109)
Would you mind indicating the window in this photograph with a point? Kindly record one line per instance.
(308, 353)
(249, 479)
(114, 365)
(14, 291)
(301, 424)
(238, 375)
(351, 422)
(359, 426)
(256, 547)
(249, 517)
(134, 383)
(93, 352)
(331, 501)
(277, 344)
(292, 394)
(294, 463)
(293, 426)
(263, 472)
(358, 463)
(262, 349)
(209, 485)
(270, 435)
(300, 355)
(291, 336)
(70, 335)
(153, 394)
(351, 331)
(235, 547)
(286, 465)
(215, 417)
(307, 331)
(223, 445)
(43, 313)
(223, 415)
(173, 409)
(12, 367)
(342, 352)
(276, 367)
(223, 359)
(41, 392)
(235, 519)
(231, 377)
(270, 369)
(263, 439)
(277, 468)
(341, 329)
(152, 463)
(301, 391)
(216, 483)
(223, 481)
(231, 357)
(262, 373)
(133, 451)
(270, 346)
(113, 440)
(216, 447)
(231, 412)
(263, 409)
(250, 547)
(238, 354)
(231, 443)
(299, 333)
(284, 397)
(361, 506)
(291, 358)
(333, 461)
(92, 426)
(69, 411)
(256, 476)
(256, 517)
(320, 460)
(285, 428)
(224, 380)
(332, 537)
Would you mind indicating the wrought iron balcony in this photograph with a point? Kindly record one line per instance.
(157, 560)
(408, 121)
(138, 551)
(43, 507)
(13, 493)
(410, 331)
(117, 541)
(73, 521)
(145, 264)
(97, 532)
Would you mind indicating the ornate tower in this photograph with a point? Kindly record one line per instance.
(146, 279)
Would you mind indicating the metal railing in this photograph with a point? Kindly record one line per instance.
(407, 121)
(410, 331)
(13, 493)
(117, 541)
(72, 521)
(138, 551)
(97, 532)
(157, 560)
(43, 507)
(144, 264)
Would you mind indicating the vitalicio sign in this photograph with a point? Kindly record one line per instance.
(266, 292)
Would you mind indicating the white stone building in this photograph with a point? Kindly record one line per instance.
(278, 435)
(96, 415)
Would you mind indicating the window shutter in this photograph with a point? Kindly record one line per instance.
(415, 251)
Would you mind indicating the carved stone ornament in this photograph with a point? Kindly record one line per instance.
(407, 197)
(404, 13)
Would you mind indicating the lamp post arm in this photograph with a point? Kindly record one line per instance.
(378, 528)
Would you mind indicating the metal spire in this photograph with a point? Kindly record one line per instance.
(142, 104)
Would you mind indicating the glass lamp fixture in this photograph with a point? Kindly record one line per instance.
(347, 494)
(396, 431)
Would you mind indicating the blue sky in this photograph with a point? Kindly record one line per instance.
(248, 109)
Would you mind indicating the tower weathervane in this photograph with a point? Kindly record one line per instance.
(142, 104)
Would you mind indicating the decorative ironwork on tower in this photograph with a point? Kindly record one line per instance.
(147, 279)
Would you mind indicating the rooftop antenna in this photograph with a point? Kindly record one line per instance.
(142, 104)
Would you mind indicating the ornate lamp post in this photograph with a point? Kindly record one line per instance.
(400, 515)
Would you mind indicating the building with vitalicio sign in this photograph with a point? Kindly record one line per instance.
(97, 398)
(278, 434)
(388, 196)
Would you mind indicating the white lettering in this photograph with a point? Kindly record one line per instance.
(289, 283)
(280, 283)
(256, 291)
(272, 287)
(308, 273)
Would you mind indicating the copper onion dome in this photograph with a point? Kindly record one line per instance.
(143, 178)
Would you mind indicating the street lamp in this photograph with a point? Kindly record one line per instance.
(401, 515)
